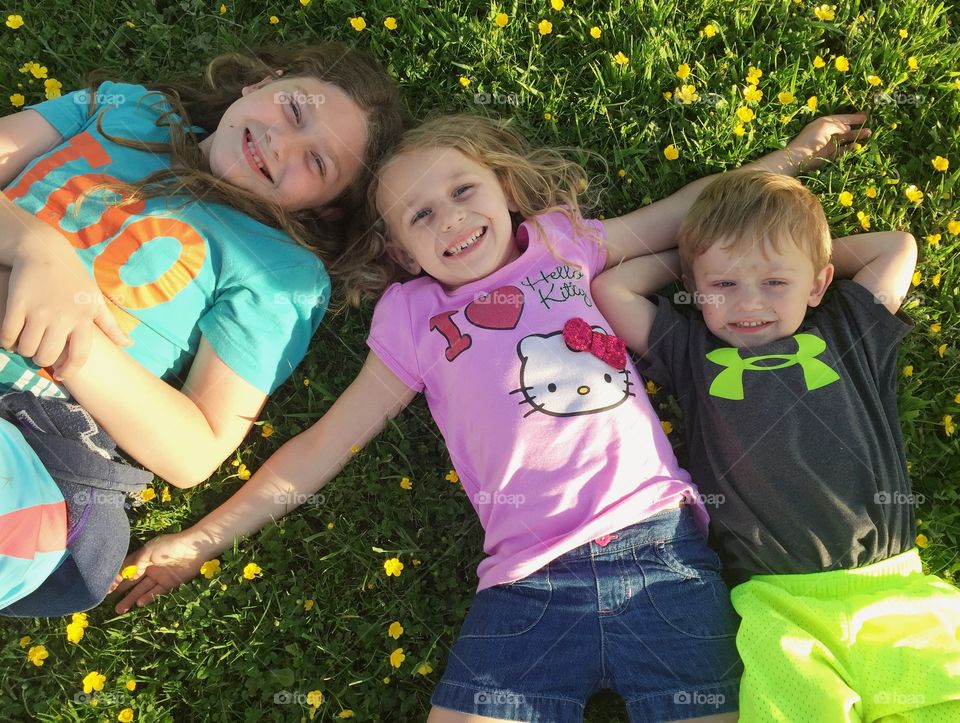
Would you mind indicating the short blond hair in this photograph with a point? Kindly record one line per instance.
(743, 208)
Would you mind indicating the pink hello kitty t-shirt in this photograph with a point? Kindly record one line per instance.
(554, 447)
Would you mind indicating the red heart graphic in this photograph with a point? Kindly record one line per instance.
(500, 309)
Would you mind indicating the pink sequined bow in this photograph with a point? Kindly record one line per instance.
(580, 337)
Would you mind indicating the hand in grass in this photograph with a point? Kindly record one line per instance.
(162, 565)
(826, 139)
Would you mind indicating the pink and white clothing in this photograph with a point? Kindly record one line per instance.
(554, 447)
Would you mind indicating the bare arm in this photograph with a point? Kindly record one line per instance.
(298, 469)
(653, 228)
(23, 137)
(881, 262)
(620, 295)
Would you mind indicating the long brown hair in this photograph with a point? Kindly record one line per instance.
(203, 104)
(537, 180)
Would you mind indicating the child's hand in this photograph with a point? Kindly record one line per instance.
(826, 139)
(52, 303)
(163, 564)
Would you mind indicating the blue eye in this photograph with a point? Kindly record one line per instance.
(723, 284)
(319, 162)
(460, 190)
(296, 111)
(777, 282)
(420, 215)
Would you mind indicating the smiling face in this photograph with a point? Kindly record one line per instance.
(758, 296)
(298, 142)
(447, 215)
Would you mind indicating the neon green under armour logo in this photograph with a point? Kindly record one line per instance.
(729, 382)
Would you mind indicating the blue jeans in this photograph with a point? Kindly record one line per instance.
(642, 611)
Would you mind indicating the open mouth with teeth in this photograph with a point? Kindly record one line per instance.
(253, 157)
(466, 243)
(750, 326)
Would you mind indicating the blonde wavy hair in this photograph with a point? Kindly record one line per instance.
(537, 180)
(203, 103)
(742, 208)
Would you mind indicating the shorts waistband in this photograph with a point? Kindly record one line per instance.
(850, 581)
(669, 524)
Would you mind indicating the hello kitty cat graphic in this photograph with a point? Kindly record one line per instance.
(561, 382)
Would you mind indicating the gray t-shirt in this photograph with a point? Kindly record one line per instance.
(796, 444)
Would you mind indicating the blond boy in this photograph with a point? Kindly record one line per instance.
(787, 382)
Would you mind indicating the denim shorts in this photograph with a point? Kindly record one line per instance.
(642, 611)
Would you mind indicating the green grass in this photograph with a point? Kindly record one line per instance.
(222, 649)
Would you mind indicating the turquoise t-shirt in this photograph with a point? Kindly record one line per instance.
(174, 267)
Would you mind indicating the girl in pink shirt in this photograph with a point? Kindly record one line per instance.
(597, 572)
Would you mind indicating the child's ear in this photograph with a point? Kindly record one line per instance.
(404, 259)
(820, 284)
(247, 89)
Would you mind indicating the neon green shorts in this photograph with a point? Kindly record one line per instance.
(881, 642)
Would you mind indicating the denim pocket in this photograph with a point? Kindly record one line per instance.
(509, 609)
(685, 588)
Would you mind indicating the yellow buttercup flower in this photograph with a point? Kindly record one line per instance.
(864, 220)
(841, 63)
(75, 632)
(210, 568)
(745, 114)
(395, 630)
(17, 100)
(406, 484)
(671, 153)
(126, 715)
(948, 425)
(14, 22)
(819, 62)
(308, 605)
(129, 572)
(812, 103)
(346, 713)
(464, 81)
(940, 163)
(314, 698)
(452, 477)
(620, 58)
(556, 4)
(935, 327)
(25, 641)
(266, 429)
(908, 370)
(845, 198)
(501, 20)
(941, 349)
(131, 685)
(825, 12)
(242, 472)
(913, 193)
(709, 30)
(165, 495)
(252, 570)
(667, 427)
(903, 33)
(358, 23)
(425, 669)
(37, 654)
(148, 494)
(390, 23)
(223, 9)
(38, 71)
(753, 75)
(738, 129)
(922, 541)
(936, 282)
(595, 32)
(871, 192)
(874, 80)
(393, 567)
(93, 681)
(953, 226)
(912, 63)
(917, 278)
(397, 657)
(274, 20)
(785, 97)
(545, 27)
(686, 94)
(752, 95)
(933, 239)
(683, 71)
